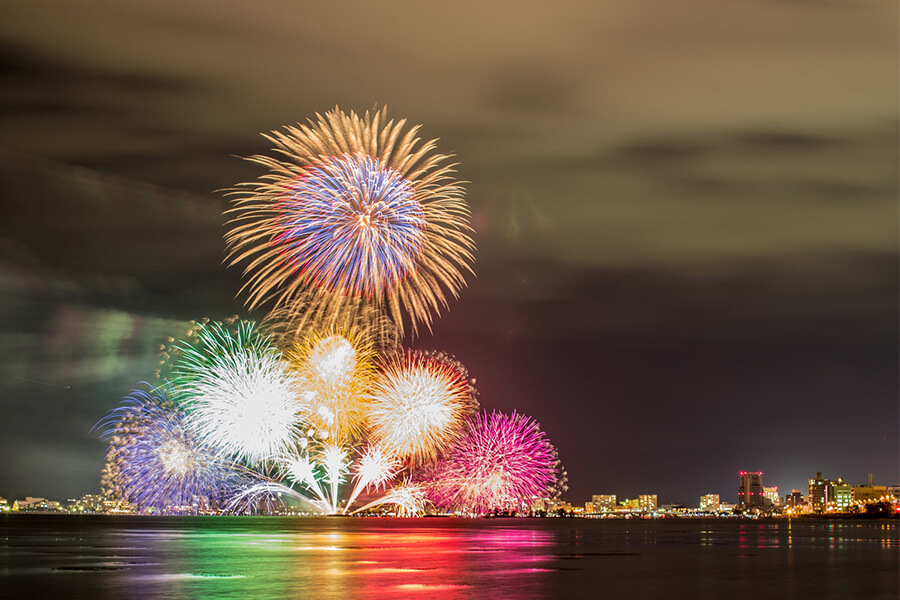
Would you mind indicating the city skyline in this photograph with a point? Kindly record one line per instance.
(686, 243)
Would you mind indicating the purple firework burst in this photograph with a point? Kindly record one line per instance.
(351, 224)
(155, 463)
(502, 462)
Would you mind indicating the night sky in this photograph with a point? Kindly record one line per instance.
(686, 216)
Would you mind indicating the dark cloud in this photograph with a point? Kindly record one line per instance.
(532, 89)
(23, 65)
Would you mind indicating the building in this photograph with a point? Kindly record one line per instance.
(794, 499)
(91, 503)
(771, 496)
(820, 493)
(604, 503)
(32, 503)
(750, 490)
(558, 505)
(894, 492)
(709, 503)
(868, 493)
(842, 496)
(647, 502)
(630, 504)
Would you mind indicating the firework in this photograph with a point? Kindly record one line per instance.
(155, 462)
(409, 500)
(374, 468)
(419, 405)
(360, 210)
(335, 371)
(502, 462)
(371, 328)
(239, 395)
(266, 496)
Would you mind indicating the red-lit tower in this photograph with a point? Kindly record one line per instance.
(750, 490)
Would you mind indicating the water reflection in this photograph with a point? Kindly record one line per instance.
(342, 559)
(349, 559)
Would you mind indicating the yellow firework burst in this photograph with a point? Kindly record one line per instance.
(335, 370)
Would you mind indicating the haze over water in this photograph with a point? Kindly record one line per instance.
(333, 558)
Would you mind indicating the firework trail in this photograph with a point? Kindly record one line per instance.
(239, 395)
(359, 210)
(419, 405)
(374, 468)
(155, 462)
(502, 462)
(409, 500)
(370, 327)
(265, 496)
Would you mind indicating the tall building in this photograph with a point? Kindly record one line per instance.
(820, 493)
(709, 503)
(750, 489)
(771, 495)
(604, 503)
(647, 502)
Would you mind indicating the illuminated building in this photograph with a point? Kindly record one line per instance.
(750, 490)
(709, 503)
(91, 503)
(771, 495)
(842, 495)
(870, 492)
(820, 493)
(34, 503)
(604, 503)
(630, 504)
(894, 492)
(558, 505)
(795, 498)
(588, 508)
(647, 502)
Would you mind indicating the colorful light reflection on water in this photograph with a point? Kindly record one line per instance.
(349, 559)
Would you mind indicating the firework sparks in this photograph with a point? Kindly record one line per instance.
(153, 460)
(335, 371)
(352, 224)
(409, 500)
(359, 210)
(264, 496)
(375, 468)
(419, 405)
(240, 396)
(501, 462)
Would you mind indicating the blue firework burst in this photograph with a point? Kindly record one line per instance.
(351, 225)
(155, 463)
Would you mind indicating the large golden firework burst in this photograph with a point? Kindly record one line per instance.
(357, 210)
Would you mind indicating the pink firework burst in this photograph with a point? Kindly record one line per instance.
(501, 462)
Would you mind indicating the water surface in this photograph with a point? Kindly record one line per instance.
(98, 557)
